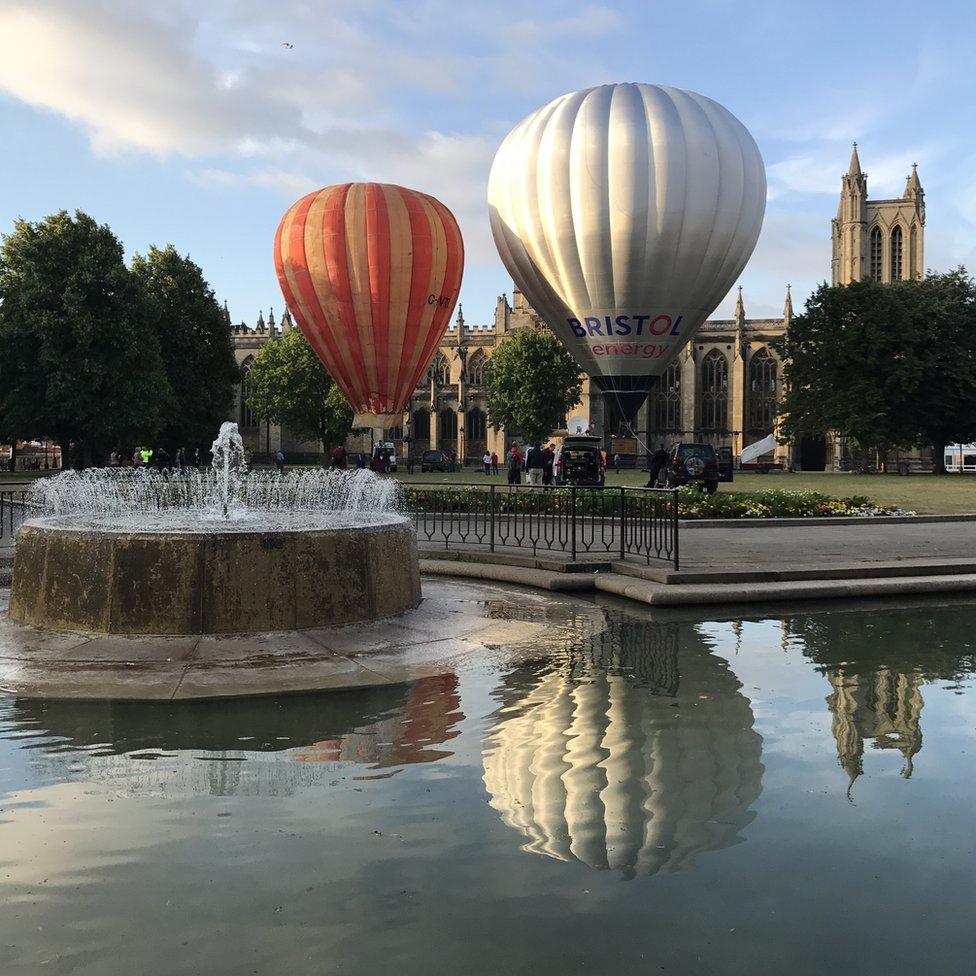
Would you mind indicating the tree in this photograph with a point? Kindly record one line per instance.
(531, 383)
(196, 346)
(290, 386)
(886, 365)
(79, 360)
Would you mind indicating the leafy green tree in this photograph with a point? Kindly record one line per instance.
(79, 359)
(196, 345)
(887, 365)
(531, 383)
(290, 386)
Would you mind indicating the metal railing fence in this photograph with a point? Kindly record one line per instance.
(13, 504)
(577, 522)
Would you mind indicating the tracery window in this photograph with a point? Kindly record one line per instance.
(446, 425)
(762, 392)
(913, 252)
(421, 425)
(442, 370)
(247, 416)
(667, 400)
(476, 368)
(476, 426)
(876, 252)
(715, 392)
(896, 242)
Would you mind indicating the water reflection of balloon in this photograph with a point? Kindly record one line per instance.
(371, 272)
(637, 767)
(625, 213)
(257, 746)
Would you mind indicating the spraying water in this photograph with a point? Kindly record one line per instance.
(226, 496)
(228, 460)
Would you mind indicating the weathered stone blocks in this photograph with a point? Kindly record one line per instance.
(87, 580)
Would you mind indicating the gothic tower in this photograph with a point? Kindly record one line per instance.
(879, 239)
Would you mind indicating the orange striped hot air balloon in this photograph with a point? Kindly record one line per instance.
(371, 272)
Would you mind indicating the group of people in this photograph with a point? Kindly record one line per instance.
(490, 462)
(381, 460)
(538, 463)
(160, 459)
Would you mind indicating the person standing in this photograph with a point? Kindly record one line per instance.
(494, 463)
(486, 461)
(534, 463)
(280, 461)
(659, 461)
(514, 464)
(548, 458)
(616, 463)
(339, 459)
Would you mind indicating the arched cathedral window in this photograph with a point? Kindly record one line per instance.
(421, 425)
(762, 393)
(715, 392)
(476, 427)
(667, 400)
(446, 425)
(913, 252)
(476, 368)
(876, 254)
(247, 417)
(442, 370)
(896, 241)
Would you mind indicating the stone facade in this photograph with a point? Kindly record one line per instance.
(722, 389)
(880, 239)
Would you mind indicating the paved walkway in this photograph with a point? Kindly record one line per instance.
(794, 546)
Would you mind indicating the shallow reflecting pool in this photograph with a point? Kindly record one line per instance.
(746, 794)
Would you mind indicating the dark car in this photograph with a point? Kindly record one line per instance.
(579, 461)
(692, 464)
(435, 461)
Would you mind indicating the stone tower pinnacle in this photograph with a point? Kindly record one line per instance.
(788, 308)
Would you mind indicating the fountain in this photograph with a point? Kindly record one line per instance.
(135, 551)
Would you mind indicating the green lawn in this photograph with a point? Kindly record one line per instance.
(922, 493)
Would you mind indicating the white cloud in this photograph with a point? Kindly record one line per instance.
(270, 178)
(820, 171)
(132, 82)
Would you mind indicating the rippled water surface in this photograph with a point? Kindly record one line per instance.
(743, 795)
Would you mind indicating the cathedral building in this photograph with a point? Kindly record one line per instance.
(879, 239)
(723, 388)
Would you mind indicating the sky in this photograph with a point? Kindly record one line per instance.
(194, 124)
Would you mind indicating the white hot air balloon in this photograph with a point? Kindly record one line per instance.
(625, 213)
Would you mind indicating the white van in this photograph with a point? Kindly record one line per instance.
(966, 453)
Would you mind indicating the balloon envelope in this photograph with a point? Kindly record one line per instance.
(625, 213)
(371, 272)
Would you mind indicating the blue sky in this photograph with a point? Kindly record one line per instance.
(191, 123)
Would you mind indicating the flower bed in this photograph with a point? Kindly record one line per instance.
(692, 503)
(775, 503)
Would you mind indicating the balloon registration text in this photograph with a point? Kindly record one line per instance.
(625, 325)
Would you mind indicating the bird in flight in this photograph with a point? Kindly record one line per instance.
(287, 44)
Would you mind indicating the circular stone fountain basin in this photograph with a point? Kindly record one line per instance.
(264, 572)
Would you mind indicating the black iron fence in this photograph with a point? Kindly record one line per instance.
(578, 522)
(13, 504)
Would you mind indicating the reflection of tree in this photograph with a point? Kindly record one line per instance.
(605, 758)
(265, 746)
(876, 663)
